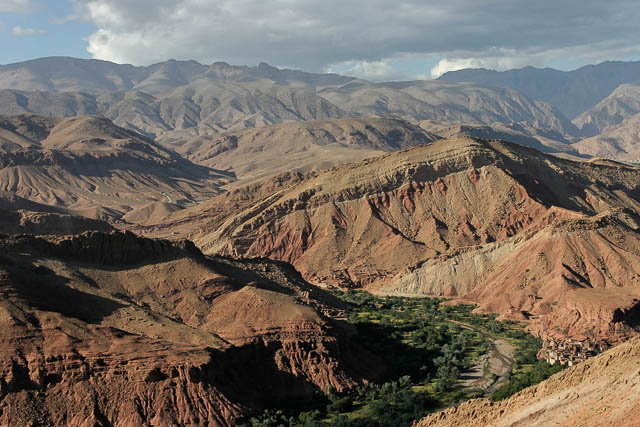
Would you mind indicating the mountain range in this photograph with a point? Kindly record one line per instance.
(571, 92)
(175, 101)
(200, 100)
(253, 190)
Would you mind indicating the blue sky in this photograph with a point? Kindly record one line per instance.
(373, 39)
(66, 38)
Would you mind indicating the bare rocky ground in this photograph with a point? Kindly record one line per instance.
(492, 369)
(527, 235)
(113, 329)
(602, 391)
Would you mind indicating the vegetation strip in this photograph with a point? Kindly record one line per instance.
(428, 348)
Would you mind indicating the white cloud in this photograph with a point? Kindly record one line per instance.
(64, 19)
(16, 5)
(24, 32)
(505, 60)
(446, 65)
(369, 70)
(312, 35)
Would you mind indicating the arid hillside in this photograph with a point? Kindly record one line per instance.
(459, 103)
(619, 142)
(302, 146)
(90, 167)
(602, 391)
(120, 330)
(621, 104)
(545, 140)
(450, 218)
(178, 100)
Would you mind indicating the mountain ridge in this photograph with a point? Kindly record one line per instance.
(424, 220)
(192, 99)
(88, 166)
(572, 92)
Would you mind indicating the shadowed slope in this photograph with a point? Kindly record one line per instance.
(449, 218)
(120, 330)
(91, 167)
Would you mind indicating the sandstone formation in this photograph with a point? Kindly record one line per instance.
(602, 391)
(450, 218)
(113, 329)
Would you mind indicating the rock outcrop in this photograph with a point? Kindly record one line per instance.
(114, 329)
(450, 218)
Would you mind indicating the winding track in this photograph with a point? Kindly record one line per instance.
(499, 361)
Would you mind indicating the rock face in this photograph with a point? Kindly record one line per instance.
(602, 391)
(88, 166)
(113, 329)
(449, 218)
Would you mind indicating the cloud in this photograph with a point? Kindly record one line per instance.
(16, 5)
(64, 19)
(501, 60)
(314, 35)
(24, 32)
(376, 71)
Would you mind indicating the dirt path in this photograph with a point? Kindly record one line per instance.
(493, 368)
